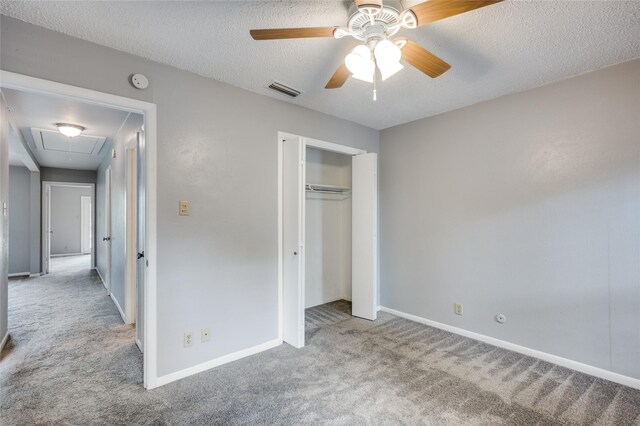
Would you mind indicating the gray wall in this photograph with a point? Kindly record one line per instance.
(65, 218)
(118, 208)
(53, 174)
(528, 205)
(4, 223)
(217, 148)
(19, 220)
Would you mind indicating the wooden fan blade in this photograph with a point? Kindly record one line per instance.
(284, 33)
(423, 60)
(339, 77)
(434, 10)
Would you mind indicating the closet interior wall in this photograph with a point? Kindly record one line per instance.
(328, 229)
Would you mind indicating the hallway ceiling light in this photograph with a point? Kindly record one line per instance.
(70, 130)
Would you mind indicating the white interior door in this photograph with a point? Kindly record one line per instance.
(140, 229)
(364, 208)
(85, 224)
(107, 226)
(293, 241)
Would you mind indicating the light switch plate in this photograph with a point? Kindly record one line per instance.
(183, 208)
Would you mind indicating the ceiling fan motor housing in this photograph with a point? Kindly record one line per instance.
(362, 24)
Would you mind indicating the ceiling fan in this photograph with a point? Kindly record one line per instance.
(375, 23)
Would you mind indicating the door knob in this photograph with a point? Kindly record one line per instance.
(106, 239)
(295, 253)
(140, 255)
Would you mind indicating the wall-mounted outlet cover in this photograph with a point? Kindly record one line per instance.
(188, 339)
(457, 308)
(206, 334)
(183, 208)
(501, 318)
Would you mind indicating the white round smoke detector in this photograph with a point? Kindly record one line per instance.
(501, 318)
(139, 81)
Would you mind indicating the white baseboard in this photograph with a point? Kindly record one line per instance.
(118, 306)
(37, 274)
(172, 377)
(19, 274)
(564, 362)
(139, 345)
(101, 279)
(67, 255)
(4, 340)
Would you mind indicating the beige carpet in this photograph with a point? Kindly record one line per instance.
(72, 361)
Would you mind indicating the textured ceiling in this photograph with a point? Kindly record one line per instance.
(500, 49)
(31, 110)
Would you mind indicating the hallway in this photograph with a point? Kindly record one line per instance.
(68, 345)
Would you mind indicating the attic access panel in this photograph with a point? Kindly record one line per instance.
(53, 140)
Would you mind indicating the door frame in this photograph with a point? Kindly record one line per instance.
(30, 84)
(46, 219)
(305, 142)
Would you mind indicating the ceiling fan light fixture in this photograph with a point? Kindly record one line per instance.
(69, 130)
(359, 60)
(365, 76)
(387, 70)
(387, 53)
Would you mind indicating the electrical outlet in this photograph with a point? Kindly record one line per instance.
(188, 339)
(205, 334)
(183, 208)
(457, 308)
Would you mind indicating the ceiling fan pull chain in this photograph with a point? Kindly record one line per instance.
(375, 86)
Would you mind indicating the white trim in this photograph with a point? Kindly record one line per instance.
(37, 85)
(19, 274)
(46, 215)
(124, 319)
(172, 377)
(139, 344)
(101, 279)
(37, 274)
(281, 137)
(564, 362)
(333, 147)
(4, 340)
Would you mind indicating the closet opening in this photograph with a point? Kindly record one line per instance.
(328, 235)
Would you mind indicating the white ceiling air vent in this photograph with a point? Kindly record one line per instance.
(289, 91)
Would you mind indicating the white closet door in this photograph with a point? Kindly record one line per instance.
(293, 241)
(364, 225)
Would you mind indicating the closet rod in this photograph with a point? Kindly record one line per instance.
(327, 188)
